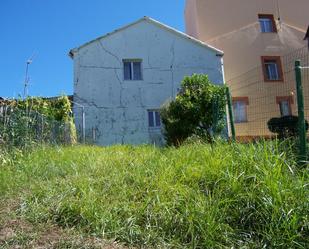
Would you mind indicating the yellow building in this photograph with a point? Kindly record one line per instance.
(261, 40)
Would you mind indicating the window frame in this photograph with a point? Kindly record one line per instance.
(272, 20)
(245, 100)
(289, 99)
(277, 59)
(131, 61)
(154, 116)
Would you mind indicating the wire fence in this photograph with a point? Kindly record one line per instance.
(19, 127)
(266, 92)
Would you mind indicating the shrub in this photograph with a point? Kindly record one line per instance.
(27, 121)
(285, 127)
(199, 109)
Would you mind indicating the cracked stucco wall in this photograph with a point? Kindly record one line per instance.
(117, 109)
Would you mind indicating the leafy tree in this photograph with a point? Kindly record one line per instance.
(199, 109)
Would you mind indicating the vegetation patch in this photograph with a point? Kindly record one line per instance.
(286, 126)
(197, 111)
(35, 120)
(195, 196)
(17, 232)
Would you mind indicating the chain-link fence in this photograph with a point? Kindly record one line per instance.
(19, 127)
(268, 91)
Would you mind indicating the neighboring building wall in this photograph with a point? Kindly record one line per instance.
(243, 49)
(116, 108)
(191, 23)
(264, 97)
(217, 17)
(233, 26)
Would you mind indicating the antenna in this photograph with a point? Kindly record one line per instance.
(27, 79)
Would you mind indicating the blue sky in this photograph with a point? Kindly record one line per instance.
(50, 28)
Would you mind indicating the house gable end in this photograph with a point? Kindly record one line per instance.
(151, 22)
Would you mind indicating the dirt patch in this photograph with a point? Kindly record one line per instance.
(6, 234)
(17, 233)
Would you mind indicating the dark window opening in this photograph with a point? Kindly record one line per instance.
(132, 69)
(267, 23)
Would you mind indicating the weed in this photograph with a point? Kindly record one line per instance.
(195, 196)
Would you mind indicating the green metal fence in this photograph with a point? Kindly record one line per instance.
(253, 100)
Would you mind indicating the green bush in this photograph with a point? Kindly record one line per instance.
(285, 127)
(28, 121)
(199, 109)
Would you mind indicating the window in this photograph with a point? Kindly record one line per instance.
(267, 23)
(240, 109)
(154, 120)
(272, 68)
(132, 69)
(285, 103)
(285, 108)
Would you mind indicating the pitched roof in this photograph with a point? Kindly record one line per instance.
(159, 24)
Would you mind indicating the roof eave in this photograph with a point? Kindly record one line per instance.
(218, 51)
(71, 53)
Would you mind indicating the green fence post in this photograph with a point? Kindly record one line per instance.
(301, 114)
(215, 116)
(230, 110)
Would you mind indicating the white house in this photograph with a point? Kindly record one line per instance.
(123, 77)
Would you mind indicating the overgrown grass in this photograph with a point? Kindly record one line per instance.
(196, 196)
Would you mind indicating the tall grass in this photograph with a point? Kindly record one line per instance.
(196, 196)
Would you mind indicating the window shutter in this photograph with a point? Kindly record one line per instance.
(127, 71)
(158, 121)
(150, 119)
(137, 71)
